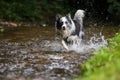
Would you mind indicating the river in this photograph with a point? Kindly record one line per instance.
(32, 53)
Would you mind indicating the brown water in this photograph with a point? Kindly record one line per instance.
(32, 53)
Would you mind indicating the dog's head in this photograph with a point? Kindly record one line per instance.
(64, 25)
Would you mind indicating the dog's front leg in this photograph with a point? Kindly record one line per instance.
(73, 39)
(64, 45)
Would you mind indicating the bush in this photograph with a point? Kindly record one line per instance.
(104, 65)
(114, 8)
(44, 11)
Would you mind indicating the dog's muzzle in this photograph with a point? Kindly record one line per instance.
(63, 28)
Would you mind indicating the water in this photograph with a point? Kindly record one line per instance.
(94, 43)
(32, 53)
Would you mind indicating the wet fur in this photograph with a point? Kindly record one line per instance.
(70, 29)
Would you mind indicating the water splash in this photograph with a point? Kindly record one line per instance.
(94, 42)
(87, 45)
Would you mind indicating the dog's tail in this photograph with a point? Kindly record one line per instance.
(79, 15)
(78, 18)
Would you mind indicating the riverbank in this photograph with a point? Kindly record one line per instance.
(104, 65)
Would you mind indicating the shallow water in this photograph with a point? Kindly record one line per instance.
(32, 53)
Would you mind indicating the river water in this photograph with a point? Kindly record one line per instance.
(32, 53)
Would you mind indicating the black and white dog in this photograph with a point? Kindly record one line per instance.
(70, 29)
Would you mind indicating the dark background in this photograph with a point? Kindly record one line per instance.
(44, 11)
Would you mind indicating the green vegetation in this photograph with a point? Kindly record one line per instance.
(1, 29)
(114, 8)
(44, 11)
(105, 64)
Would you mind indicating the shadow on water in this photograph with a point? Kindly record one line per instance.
(31, 53)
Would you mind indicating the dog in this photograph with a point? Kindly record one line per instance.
(70, 29)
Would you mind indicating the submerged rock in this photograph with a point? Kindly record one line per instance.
(8, 24)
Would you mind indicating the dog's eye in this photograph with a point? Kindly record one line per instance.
(61, 23)
(66, 22)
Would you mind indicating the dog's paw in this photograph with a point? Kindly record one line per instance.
(72, 39)
(65, 45)
(57, 38)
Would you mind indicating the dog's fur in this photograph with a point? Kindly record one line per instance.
(70, 29)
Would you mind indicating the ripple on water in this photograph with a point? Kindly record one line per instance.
(42, 57)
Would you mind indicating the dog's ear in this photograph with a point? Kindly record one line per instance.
(58, 16)
(68, 16)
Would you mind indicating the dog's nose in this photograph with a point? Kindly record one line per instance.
(63, 28)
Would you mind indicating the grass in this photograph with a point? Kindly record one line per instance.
(105, 64)
(1, 29)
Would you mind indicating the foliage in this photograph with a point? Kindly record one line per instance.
(104, 65)
(1, 29)
(44, 11)
(114, 8)
(15, 10)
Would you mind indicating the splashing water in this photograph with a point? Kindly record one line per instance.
(93, 43)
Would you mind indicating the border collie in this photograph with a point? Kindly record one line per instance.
(71, 30)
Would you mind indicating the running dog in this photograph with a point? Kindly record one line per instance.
(70, 29)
